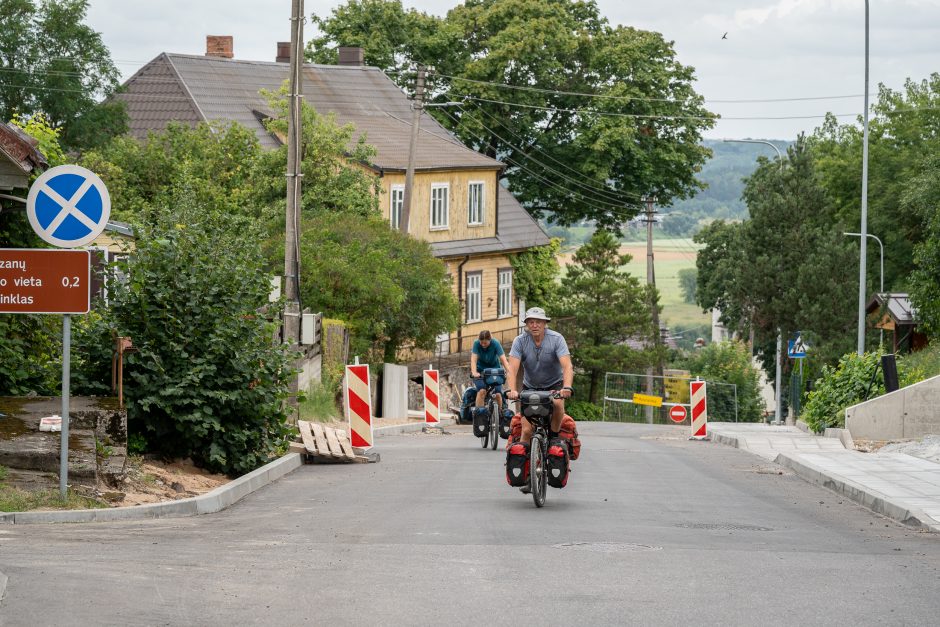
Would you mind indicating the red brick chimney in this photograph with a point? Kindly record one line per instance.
(351, 55)
(283, 52)
(219, 46)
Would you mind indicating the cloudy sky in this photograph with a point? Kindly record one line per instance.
(784, 49)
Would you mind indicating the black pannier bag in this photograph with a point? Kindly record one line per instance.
(517, 464)
(505, 422)
(556, 463)
(481, 421)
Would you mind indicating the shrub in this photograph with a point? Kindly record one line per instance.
(729, 362)
(583, 411)
(207, 381)
(842, 386)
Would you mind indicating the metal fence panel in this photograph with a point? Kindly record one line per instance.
(620, 388)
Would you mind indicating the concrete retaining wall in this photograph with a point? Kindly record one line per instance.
(905, 414)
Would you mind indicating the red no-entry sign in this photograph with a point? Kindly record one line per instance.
(677, 413)
(44, 281)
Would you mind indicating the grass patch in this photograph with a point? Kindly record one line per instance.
(17, 500)
(319, 403)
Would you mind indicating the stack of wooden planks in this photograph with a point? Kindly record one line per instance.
(327, 445)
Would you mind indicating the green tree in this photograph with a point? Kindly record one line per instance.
(608, 306)
(567, 154)
(729, 362)
(535, 274)
(386, 285)
(922, 198)
(207, 382)
(688, 279)
(55, 64)
(784, 268)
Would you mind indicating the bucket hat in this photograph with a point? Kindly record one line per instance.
(535, 312)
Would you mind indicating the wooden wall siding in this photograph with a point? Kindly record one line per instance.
(114, 242)
(489, 266)
(11, 177)
(421, 207)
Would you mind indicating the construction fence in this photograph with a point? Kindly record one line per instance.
(633, 398)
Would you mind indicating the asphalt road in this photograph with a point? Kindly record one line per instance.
(652, 529)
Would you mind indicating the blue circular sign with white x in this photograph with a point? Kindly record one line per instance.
(68, 206)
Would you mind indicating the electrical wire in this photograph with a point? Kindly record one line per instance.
(559, 92)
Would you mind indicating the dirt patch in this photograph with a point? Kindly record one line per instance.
(637, 252)
(153, 481)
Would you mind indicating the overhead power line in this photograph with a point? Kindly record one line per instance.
(560, 92)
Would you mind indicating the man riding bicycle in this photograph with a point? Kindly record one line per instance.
(486, 353)
(546, 363)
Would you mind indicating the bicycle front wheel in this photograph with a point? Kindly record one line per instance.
(537, 476)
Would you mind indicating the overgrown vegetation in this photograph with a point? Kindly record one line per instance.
(850, 382)
(729, 362)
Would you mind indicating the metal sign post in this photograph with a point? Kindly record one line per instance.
(67, 206)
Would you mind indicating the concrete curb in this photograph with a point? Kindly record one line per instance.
(3, 587)
(872, 499)
(408, 428)
(728, 440)
(211, 502)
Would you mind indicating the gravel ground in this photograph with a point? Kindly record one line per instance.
(926, 448)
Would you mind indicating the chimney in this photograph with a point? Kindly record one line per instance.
(283, 52)
(349, 55)
(219, 46)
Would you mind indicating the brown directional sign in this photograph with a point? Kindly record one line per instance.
(44, 281)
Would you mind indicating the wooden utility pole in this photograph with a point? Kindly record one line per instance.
(416, 107)
(291, 328)
(654, 308)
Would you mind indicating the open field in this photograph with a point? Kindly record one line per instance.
(669, 256)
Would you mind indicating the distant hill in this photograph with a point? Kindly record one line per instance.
(724, 174)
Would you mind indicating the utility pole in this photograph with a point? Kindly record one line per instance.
(291, 325)
(416, 107)
(654, 309)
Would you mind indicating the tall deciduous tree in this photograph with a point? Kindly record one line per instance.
(923, 199)
(55, 64)
(568, 155)
(608, 307)
(785, 267)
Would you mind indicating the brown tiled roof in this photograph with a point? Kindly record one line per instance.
(193, 88)
(21, 149)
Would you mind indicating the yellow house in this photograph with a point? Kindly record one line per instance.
(473, 223)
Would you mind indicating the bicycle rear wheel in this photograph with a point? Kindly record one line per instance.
(494, 425)
(537, 477)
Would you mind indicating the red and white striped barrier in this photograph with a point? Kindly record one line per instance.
(432, 398)
(699, 410)
(359, 405)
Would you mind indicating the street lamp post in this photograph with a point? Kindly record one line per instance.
(778, 410)
(863, 257)
(882, 249)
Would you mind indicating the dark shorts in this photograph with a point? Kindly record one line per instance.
(480, 385)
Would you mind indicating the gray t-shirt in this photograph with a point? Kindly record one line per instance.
(540, 363)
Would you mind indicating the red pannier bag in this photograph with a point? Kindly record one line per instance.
(569, 432)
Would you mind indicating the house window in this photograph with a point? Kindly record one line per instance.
(475, 203)
(440, 199)
(504, 296)
(397, 200)
(474, 296)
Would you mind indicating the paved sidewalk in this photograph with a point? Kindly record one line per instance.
(896, 485)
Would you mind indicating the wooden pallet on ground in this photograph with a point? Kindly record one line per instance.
(327, 445)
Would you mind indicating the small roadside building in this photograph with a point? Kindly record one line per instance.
(19, 159)
(473, 223)
(894, 312)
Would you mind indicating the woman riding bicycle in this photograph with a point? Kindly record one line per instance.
(486, 353)
(546, 363)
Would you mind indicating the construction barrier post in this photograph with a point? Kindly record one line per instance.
(432, 398)
(699, 410)
(359, 405)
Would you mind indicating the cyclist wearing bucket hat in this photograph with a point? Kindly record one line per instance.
(546, 362)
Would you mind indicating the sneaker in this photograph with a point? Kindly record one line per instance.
(526, 489)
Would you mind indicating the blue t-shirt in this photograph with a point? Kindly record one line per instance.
(488, 357)
(541, 369)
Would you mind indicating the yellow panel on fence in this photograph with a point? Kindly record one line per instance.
(646, 399)
(677, 386)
